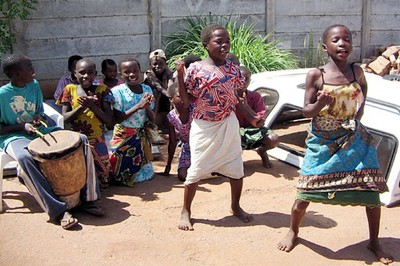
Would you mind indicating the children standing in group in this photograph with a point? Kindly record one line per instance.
(340, 164)
(87, 108)
(258, 138)
(21, 109)
(131, 148)
(159, 77)
(110, 71)
(214, 139)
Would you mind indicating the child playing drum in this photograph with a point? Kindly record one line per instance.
(88, 108)
(21, 110)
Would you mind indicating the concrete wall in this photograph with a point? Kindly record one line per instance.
(102, 29)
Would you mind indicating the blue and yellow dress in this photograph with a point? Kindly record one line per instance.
(340, 164)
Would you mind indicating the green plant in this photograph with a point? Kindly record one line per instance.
(310, 51)
(12, 10)
(256, 52)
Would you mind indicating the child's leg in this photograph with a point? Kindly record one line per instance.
(190, 192)
(297, 214)
(268, 142)
(236, 192)
(374, 216)
(182, 173)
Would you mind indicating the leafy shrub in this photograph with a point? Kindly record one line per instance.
(254, 51)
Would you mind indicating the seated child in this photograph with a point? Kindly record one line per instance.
(259, 138)
(110, 72)
(88, 108)
(131, 148)
(158, 77)
(21, 110)
(68, 78)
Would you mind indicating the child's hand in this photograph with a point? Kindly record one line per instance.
(29, 128)
(257, 121)
(87, 101)
(260, 122)
(324, 98)
(180, 66)
(146, 101)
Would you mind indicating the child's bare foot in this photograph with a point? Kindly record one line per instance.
(242, 215)
(288, 242)
(265, 159)
(381, 255)
(184, 223)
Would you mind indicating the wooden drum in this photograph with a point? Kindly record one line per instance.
(60, 157)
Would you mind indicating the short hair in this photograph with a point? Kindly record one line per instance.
(328, 29)
(129, 59)
(172, 89)
(88, 61)
(244, 69)
(208, 31)
(191, 58)
(11, 63)
(107, 62)
(71, 60)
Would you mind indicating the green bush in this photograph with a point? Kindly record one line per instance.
(254, 51)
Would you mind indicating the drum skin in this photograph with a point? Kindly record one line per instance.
(61, 159)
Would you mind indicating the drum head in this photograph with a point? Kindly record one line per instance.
(55, 144)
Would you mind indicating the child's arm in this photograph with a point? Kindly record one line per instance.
(360, 77)
(144, 103)
(70, 114)
(154, 83)
(314, 99)
(172, 143)
(26, 127)
(180, 69)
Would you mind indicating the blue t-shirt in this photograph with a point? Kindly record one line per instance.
(19, 105)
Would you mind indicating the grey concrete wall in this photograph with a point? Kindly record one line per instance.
(101, 29)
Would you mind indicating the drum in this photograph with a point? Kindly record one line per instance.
(61, 159)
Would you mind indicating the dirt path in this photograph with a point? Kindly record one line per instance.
(140, 227)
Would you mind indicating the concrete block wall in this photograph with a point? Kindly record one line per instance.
(101, 29)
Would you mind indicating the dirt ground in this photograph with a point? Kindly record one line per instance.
(140, 227)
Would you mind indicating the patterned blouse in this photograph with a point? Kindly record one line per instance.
(125, 99)
(213, 89)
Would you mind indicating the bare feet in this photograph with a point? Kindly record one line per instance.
(265, 159)
(185, 223)
(288, 242)
(242, 215)
(381, 255)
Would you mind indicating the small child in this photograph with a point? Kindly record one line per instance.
(110, 72)
(214, 139)
(259, 138)
(68, 78)
(21, 110)
(340, 165)
(159, 77)
(131, 148)
(88, 108)
(179, 128)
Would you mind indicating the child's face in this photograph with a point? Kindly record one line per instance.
(26, 71)
(219, 45)
(158, 65)
(339, 43)
(85, 73)
(176, 98)
(110, 72)
(130, 73)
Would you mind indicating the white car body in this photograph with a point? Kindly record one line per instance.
(283, 93)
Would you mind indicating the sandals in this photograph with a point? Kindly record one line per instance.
(67, 221)
(91, 208)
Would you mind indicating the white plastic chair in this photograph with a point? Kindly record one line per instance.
(6, 159)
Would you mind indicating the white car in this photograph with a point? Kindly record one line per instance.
(283, 94)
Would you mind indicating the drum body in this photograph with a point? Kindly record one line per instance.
(61, 159)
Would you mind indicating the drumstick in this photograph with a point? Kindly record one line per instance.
(43, 123)
(42, 137)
